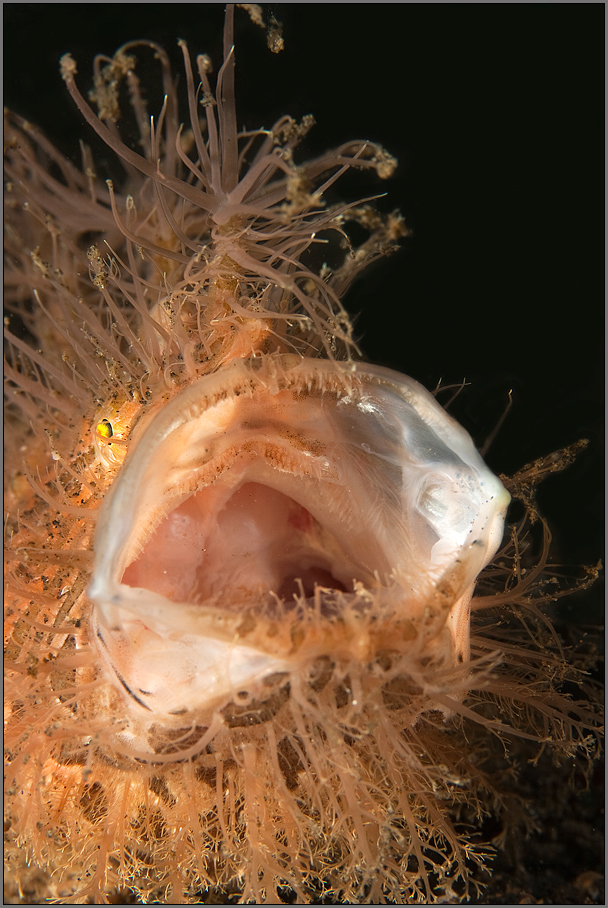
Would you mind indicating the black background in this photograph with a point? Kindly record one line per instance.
(495, 112)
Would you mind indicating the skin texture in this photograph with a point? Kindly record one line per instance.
(466, 282)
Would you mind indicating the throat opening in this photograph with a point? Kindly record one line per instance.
(242, 546)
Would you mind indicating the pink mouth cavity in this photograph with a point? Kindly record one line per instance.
(261, 540)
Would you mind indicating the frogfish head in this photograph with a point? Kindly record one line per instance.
(281, 510)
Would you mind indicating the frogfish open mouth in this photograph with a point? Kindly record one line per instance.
(267, 500)
(243, 657)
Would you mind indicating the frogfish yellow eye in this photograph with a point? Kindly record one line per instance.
(104, 428)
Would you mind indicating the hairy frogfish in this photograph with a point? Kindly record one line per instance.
(265, 631)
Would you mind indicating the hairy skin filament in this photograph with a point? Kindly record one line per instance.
(264, 637)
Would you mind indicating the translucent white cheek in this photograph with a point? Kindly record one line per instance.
(261, 484)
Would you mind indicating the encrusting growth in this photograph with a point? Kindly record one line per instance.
(178, 362)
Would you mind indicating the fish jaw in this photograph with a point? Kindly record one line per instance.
(281, 510)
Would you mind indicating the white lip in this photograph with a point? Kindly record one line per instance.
(392, 479)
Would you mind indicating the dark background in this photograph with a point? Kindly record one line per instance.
(495, 112)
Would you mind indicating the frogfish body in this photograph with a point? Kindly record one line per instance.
(240, 657)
